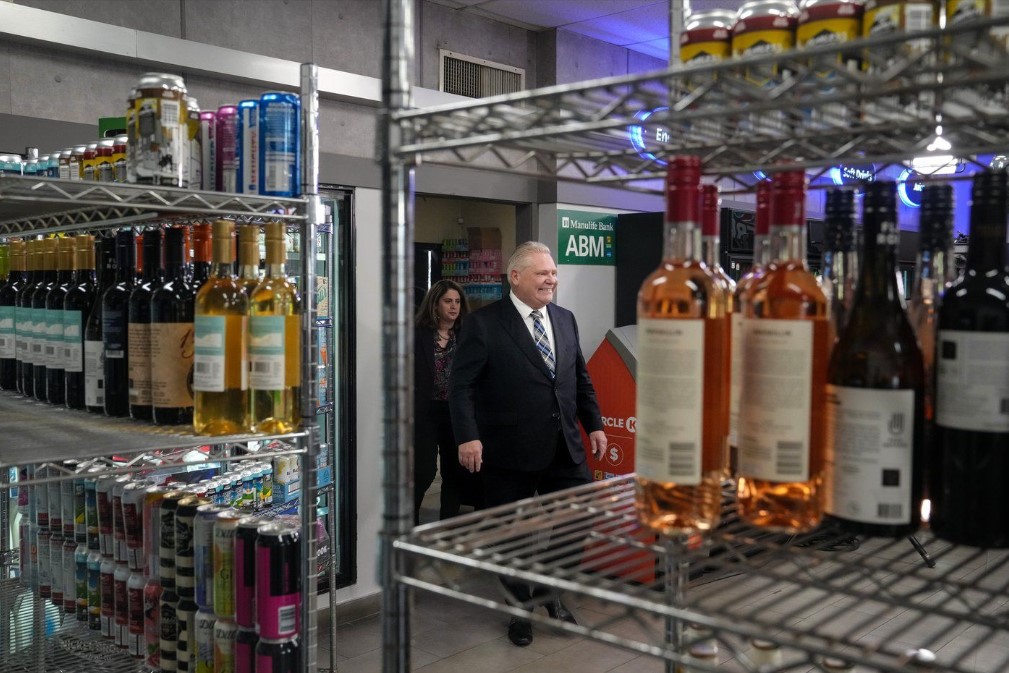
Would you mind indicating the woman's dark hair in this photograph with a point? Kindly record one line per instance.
(427, 315)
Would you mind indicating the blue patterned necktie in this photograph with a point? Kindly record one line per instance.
(543, 342)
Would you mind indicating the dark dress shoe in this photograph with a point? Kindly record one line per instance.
(520, 631)
(557, 610)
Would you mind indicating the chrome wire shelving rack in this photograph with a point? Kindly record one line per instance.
(67, 443)
(821, 600)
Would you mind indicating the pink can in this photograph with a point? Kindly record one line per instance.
(278, 581)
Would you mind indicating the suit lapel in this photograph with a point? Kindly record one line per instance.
(516, 329)
(560, 344)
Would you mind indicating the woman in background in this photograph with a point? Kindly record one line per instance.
(437, 327)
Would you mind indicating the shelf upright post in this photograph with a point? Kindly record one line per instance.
(309, 356)
(677, 16)
(397, 332)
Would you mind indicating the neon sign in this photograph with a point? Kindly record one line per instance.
(909, 188)
(647, 139)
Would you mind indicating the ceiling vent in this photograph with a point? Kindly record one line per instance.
(475, 77)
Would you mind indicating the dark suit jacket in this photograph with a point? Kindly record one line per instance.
(423, 370)
(501, 391)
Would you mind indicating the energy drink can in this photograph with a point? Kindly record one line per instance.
(67, 508)
(54, 493)
(80, 511)
(40, 496)
(152, 622)
(185, 519)
(56, 565)
(245, 650)
(245, 571)
(118, 525)
(69, 570)
(166, 539)
(225, 632)
(208, 149)
(227, 149)
(169, 635)
(43, 562)
(94, 565)
(103, 495)
(133, 521)
(248, 146)
(280, 137)
(186, 650)
(278, 581)
(194, 149)
(119, 152)
(203, 553)
(108, 589)
(121, 597)
(204, 656)
(81, 581)
(152, 528)
(278, 656)
(224, 563)
(91, 513)
(135, 643)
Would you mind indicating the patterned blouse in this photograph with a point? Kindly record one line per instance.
(442, 366)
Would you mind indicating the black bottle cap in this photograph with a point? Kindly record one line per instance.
(988, 191)
(107, 253)
(175, 242)
(839, 227)
(879, 207)
(153, 259)
(935, 227)
(126, 249)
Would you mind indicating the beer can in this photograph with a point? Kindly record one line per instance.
(203, 553)
(43, 556)
(153, 496)
(225, 632)
(54, 493)
(278, 656)
(91, 512)
(121, 598)
(133, 522)
(194, 140)
(224, 563)
(245, 650)
(77, 162)
(168, 641)
(186, 650)
(105, 166)
(280, 139)
(119, 152)
(118, 525)
(94, 565)
(24, 552)
(156, 126)
(166, 541)
(69, 570)
(40, 498)
(67, 507)
(108, 589)
(245, 571)
(135, 642)
(185, 519)
(81, 581)
(152, 622)
(278, 581)
(65, 163)
(80, 511)
(89, 161)
(227, 148)
(764, 27)
(56, 568)
(208, 149)
(204, 656)
(248, 146)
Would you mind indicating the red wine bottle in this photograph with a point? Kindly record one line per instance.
(77, 306)
(115, 328)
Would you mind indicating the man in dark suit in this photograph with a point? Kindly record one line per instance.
(518, 390)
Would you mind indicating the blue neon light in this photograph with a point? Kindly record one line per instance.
(911, 197)
(638, 136)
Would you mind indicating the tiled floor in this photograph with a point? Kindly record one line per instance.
(448, 636)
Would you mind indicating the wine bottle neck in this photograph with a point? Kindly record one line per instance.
(222, 270)
(275, 271)
(788, 243)
(986, 250)
(932, 272)
(683, 241)
(711, 251)
(878, 277)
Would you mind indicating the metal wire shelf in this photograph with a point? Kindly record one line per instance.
(23, 200)
(870, 602)
(883, 114)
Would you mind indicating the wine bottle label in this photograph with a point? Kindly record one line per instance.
(735, 377)
(972, 380)
(20, 333)
(869, 449)
(670, 400)
(7, 340)
(73, 345)
(172, 364)
(139, 363)
(114, 333)
(35, 325)
(54, 338)
(42, 337)
(774, 413)
(94, 373)
(266, 352)
(208, 355)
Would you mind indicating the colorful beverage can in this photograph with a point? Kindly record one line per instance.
(245, 571)
(185, 519)
(121, 596)
(278, 581)
(208, 149)
(135, 643)
(186, 651)
(43, 556)
(227, 149)
(69, 570)
(40, 499)
(67, 507)
(118, 525)
(105, 162)
(194, 140)
(156, 126)
(119, 153)
(103, 495)
(203, 553)
(152, 528)
(166, 538)
(133, 522)
(245, 650)
(81, 581)
(204, 656)
(152, 622)
(169, 635)
(224, 563)
(278, 656)
(77, 161)
(764, 27)
(80, 511)
(91, 513)
(56, 565)
(94, 565)
(280, 138)
(108, 589)
(89, 162)
(65, 163)
(55, 507)
(248, 146)
(225, 632)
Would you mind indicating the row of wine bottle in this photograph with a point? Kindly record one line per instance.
(823, 401)
(186, 340)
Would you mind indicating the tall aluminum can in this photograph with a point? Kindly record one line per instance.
(225, 632)
(208, 149)
(94, 565)
(224, 563)
(245, 571)
(204, 659)
(203, 553)
(227, 149)
(108, 592)
(133, 521)
(278, 656)
(278, 581)
(245, 650)
(280, 138)
(248, 146)
(69, 569)
(156, 126)
(121, 597)
(135, 642)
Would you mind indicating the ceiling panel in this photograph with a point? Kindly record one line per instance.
(642, 24)
(656, 48)
(561, 13)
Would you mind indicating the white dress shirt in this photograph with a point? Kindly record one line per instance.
(524, 311)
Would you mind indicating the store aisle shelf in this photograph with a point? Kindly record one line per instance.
(31, 431)
(38, 205)
(581, 132)
(814, 595)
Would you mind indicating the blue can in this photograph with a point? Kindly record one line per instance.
(280, 139)
(248, 147)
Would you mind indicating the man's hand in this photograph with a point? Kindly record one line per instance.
(598, 441)
(471, 454)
